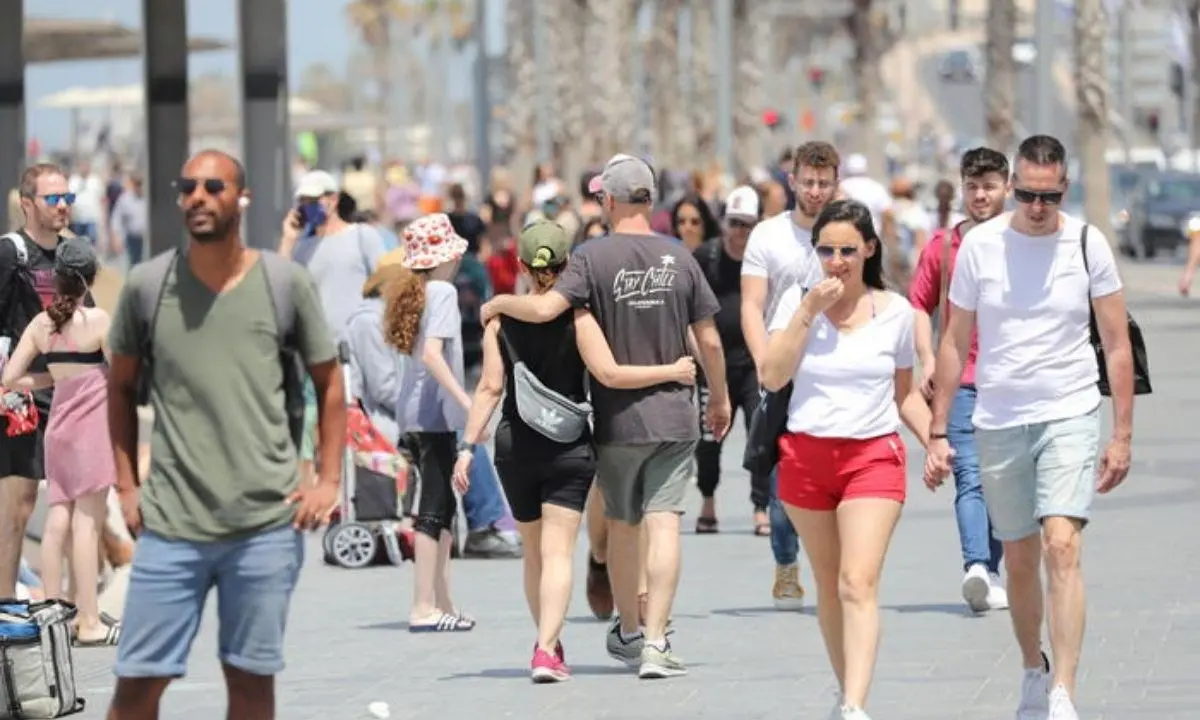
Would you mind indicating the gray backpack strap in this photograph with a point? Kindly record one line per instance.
(18, 241)
(279, 281)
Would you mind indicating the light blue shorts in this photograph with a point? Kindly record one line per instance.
(168, 587)
(1031, 472)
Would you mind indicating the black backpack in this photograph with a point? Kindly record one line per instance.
(19, 300)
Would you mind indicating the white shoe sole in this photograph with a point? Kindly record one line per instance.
(789, 604)
(652, 671)
(975, 592)
(545, 676)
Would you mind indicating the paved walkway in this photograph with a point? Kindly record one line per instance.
(348, 646)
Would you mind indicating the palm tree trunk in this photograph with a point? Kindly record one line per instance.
(662, 66)
(703, 97)
(865, 29)
(1091, 90)
(753, 51)
(520, 139)
(1000, 84)
(568, 30)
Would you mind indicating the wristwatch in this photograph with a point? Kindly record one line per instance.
(466, 447)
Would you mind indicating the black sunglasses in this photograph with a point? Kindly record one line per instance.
(186, 186)
(826, 252)
(1028, 197)
(740, 224)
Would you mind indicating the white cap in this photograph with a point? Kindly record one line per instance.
(315, 184)
(856, 164)
(742, 204)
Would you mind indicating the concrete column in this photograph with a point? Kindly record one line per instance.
(266, 136)
(164, 36)
(12, 104)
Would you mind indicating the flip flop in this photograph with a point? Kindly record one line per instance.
(763, 529)
(707, 526)
(445, 623)
(112, 635)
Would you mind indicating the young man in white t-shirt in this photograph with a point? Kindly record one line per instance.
(779, 254)
(1023, 280)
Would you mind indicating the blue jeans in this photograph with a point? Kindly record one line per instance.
(483, 503)
(785, 544)
(979, 544)
(254, 576)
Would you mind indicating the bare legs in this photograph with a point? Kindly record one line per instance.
(431, 577)
(846, 549)
(1059, 548)
(251, 697)
(549, 553)
(17, 498)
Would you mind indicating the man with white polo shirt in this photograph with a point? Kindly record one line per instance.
(1028, 281)
(779, 254)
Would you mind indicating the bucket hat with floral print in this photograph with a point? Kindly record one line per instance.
(431, 241)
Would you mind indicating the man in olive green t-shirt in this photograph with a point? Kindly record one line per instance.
(223, 505)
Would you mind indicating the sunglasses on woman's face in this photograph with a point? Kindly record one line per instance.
(1029, 197)
(825, 252)
(186, 186)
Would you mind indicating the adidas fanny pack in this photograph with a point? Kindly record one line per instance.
(550, 413)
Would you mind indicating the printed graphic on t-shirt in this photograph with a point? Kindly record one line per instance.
(43, 283)
(645, 288)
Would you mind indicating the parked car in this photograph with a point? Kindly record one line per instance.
(1121, 182)
(1164, 208)
(960, 65)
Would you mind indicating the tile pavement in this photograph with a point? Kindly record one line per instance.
(348, 646)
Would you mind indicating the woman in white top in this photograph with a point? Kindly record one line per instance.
(847, 349)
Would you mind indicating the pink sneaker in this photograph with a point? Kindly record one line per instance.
(547, 668)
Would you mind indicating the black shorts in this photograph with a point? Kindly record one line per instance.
(562, 481)
(24, 455)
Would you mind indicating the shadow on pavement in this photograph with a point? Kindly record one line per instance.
(762, 610)
(958, 608)
(510, 673)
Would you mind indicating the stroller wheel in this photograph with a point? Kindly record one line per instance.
(353, 545)
(327, 543)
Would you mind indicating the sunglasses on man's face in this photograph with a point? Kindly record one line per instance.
(739, 224)
(53, 199)
(1048, 197)
(186, 186)
(826, 252)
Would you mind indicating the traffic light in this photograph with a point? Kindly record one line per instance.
(772, 119)
(816, 76)
(1152, 121)
(1177, 80)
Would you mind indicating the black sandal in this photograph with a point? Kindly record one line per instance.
(707, 526)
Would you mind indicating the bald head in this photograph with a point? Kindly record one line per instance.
(210, 187)
(231, 169)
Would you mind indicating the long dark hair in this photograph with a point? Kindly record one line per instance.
(69, 289)
(944, 192)
(857, 214)
(712, 228)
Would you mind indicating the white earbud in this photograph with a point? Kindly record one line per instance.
(243, 202)
(179, 201)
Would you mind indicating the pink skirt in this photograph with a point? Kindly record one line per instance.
(79, 455)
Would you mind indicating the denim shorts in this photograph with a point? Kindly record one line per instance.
(169, 584)
(1031, 472)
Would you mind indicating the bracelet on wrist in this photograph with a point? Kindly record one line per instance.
(938, 436)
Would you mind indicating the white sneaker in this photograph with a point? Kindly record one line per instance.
(997, 597)
(1061, 707)
(849, 713)
(1035, 693)
(975, 587)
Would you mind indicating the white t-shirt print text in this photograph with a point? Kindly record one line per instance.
(645, 288)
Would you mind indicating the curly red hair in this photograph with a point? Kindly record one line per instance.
(403, 293)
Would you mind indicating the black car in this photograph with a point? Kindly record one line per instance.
(1164, 207)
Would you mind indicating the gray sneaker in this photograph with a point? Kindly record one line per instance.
(658, 664)
(490, 544)
(626, 651)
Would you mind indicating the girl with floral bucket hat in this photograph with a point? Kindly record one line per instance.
(433, 411)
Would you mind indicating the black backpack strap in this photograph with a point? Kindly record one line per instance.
(512, 351)
(279, 271)
(149, 284)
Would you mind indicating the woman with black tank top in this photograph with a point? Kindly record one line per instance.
(547, 482)
(66, 347)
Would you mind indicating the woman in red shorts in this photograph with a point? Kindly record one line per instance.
(847, 348)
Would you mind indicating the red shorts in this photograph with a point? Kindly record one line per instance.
(819, 473)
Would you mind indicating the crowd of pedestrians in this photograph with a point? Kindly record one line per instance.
(617, 337)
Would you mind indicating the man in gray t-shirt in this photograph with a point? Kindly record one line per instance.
(648, 295)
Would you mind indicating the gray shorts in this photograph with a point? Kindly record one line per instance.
(644, 478)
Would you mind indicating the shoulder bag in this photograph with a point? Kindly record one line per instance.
(1137, 344)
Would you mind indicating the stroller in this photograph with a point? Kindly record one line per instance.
(366, 529)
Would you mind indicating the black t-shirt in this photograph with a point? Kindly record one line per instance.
(549, 350)
(41, 267)
(724, 275)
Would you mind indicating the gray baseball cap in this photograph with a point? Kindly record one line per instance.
(76, 255)
(627, 179)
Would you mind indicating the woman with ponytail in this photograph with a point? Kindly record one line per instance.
(72, 342)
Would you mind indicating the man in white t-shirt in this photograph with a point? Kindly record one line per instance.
(779, 254)
(1024, 281)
